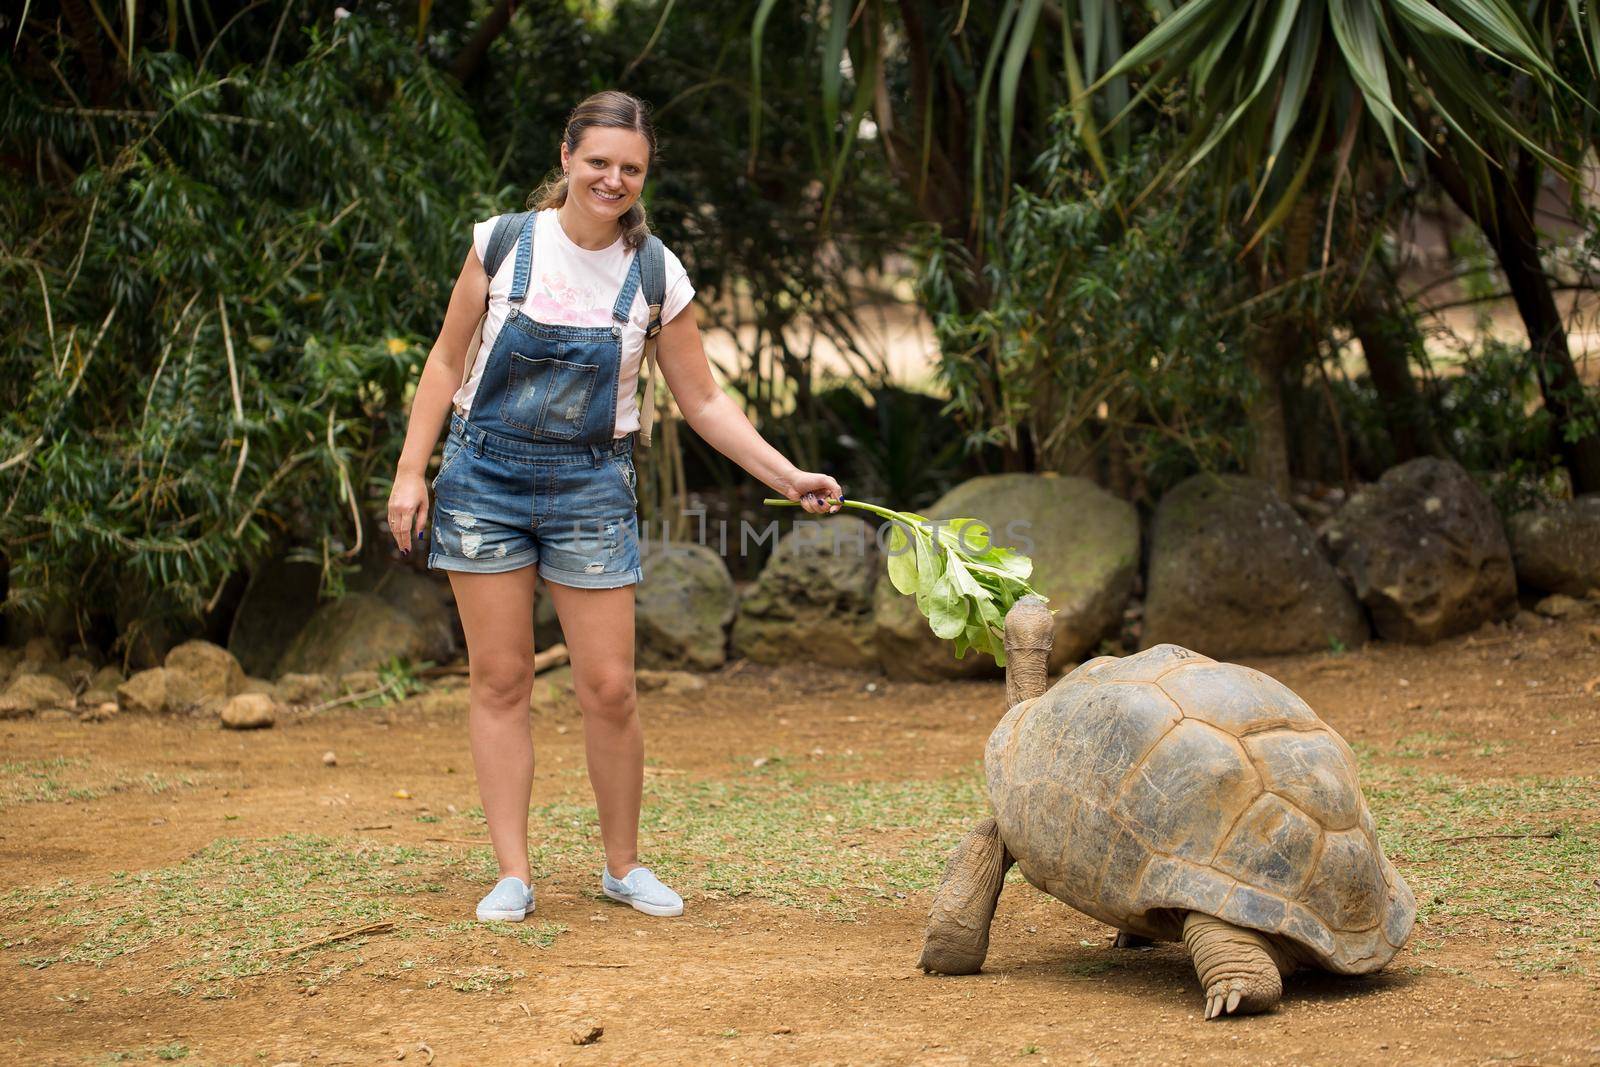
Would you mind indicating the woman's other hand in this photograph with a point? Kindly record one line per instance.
(408, 508)
(813, 492)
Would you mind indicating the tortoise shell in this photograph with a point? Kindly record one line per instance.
(1141, 788)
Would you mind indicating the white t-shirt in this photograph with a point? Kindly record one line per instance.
(570, 285)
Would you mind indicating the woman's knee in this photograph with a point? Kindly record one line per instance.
(609, 695)
(503, 685)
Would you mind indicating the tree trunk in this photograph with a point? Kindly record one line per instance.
(1505, 216)
(1386, 337)
(1269, 454)
(470, 59)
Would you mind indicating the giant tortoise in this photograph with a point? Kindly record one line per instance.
(1174, 797)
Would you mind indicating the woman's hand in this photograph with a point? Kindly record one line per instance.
(813, 491)
(408, 508)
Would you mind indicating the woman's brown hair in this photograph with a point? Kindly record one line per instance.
(617, 110)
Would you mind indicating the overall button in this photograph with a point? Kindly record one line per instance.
(616, 330)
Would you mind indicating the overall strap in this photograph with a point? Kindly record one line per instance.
(624, 305)
(524, 267)
(652, 264)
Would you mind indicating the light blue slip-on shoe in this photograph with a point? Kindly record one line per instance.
(643, 891)
(510, 900)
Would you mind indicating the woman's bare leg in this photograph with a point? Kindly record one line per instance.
(598, 625)
(497, 616)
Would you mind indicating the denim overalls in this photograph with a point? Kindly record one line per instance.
(532, 473)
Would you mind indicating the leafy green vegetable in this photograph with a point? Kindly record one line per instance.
(963, 582)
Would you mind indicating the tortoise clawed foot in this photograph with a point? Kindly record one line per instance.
(1236, 996)
(1241, 971)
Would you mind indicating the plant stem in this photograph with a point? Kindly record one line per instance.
(861, 504)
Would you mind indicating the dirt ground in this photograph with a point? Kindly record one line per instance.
(164, 884)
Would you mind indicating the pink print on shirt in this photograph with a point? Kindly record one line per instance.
(563, 304)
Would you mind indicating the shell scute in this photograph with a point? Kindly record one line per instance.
(1184, 795)
(1348, 887)
(1273, 846)
(1233, 698)
(1249, 907)
(1310, 770)
(1146, 666)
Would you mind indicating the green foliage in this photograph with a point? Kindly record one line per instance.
(963, 583)
(212, 307)
(1106, 330)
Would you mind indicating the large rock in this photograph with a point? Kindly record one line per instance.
(102, 687)
(145, 692)
(201, 675)
(429, 602)
(1235, 571)
(813, 600)
(357, 632)
(28, 693)
(249, 711)
(279, 600)
(683, 607)
(1425, 550)
(1084, 543)
(1557, 549)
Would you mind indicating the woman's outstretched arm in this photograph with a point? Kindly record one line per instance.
(716, 417)
(441, 377)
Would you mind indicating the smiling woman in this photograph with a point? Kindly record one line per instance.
(538, 473)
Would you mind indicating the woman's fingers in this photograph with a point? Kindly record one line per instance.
(400, 527)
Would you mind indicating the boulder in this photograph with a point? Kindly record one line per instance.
(29, 693)
(813, 599)
(10, 660)
(279, 600)
(1425, 551)
(358, 632)
(42, 649)
(303, 688)
(201, 675)
(355, 682)
(1235, 571)
(1084, 543)
(669, 683)
(554, 688)
(249, 711)
(546, 623)
(100, 712)
(75, 671)
(683, 607)
(428, 602)
(102, 686)
(145, 692)
(1557, 549)
(1562, 606)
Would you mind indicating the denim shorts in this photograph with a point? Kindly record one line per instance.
(502, 503)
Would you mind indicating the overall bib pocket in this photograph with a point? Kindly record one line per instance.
(549, 397)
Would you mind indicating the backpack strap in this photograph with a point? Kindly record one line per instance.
(653, 283)
(502, 239)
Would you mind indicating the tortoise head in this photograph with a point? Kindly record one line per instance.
(1029, 630)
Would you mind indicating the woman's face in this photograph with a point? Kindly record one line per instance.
(605, 174)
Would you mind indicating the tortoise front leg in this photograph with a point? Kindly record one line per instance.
(1242, 971)
(958, 926)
